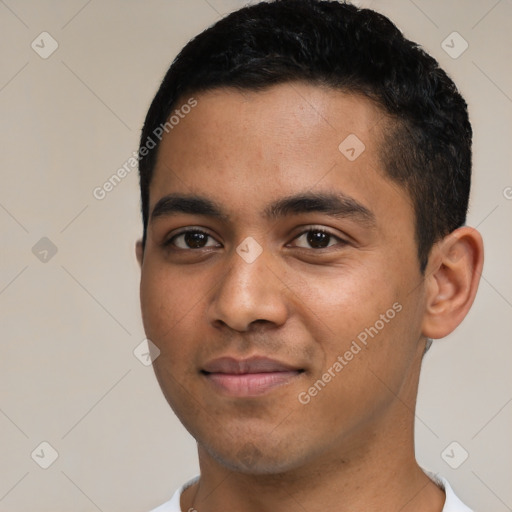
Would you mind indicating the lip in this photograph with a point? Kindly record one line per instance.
(254, 376)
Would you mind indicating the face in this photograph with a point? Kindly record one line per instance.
(280, 276)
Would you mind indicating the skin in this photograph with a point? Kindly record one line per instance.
(351, 447)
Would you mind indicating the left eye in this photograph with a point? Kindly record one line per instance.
(319, 238)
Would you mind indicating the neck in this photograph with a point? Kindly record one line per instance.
(371, 469)
(367, 477)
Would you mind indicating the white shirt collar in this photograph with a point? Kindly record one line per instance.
(451, 504)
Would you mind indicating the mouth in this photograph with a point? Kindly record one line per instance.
(251, 377)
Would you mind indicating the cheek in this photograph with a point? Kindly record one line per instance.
(361, 316)
(343, 301)
(169, 302)
(170, 305)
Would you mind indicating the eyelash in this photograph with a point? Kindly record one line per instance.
(169, 242)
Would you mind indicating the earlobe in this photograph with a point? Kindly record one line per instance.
(139, 252)
(452, 278)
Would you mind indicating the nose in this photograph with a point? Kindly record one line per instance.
(248, 293)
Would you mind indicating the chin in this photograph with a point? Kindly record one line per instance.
(254, 458)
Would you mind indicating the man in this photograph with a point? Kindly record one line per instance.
(305, 173)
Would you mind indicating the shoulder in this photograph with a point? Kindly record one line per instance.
(173, 505)
(452, 502)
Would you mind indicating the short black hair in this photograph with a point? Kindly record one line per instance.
(427, 146)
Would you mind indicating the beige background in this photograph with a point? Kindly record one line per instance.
(69, 324)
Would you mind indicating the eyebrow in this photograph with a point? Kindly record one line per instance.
(336, 205)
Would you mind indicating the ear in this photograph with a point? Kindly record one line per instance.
(139, 252)
(452, 278)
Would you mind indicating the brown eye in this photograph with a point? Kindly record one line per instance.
(191, 239)
(319, 239)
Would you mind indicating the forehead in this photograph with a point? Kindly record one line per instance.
(290, 113)
(243, 148)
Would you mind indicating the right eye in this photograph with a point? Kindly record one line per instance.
(190, 239)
